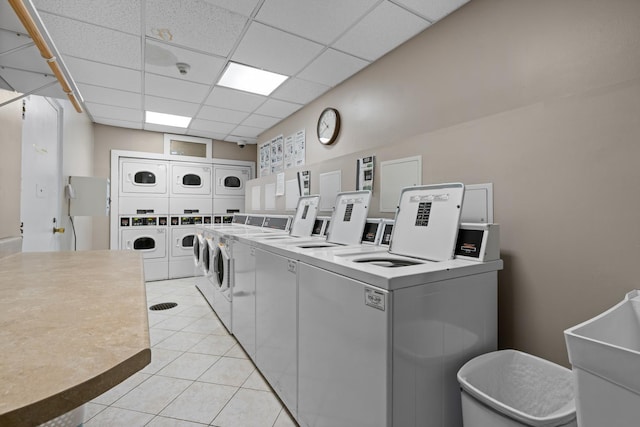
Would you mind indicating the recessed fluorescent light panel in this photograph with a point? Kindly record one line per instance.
(249, 79)
(167, 119)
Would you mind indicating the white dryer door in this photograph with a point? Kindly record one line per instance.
(142, 177)
(230, 180)
(190, 179)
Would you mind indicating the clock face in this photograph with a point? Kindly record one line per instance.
(328, 126)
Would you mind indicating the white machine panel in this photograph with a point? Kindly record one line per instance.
(344, 351)
(427, 221)
(138, 176)
(230, 180)
(190, 179)
(349, 217)
(305, 217)
(191, 205)
(228, 205)
(143, 205)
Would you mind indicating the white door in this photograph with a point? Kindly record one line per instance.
(41, 175)
(190, 179)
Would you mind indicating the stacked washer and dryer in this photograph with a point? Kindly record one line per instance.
(143, 210)
(161, 201)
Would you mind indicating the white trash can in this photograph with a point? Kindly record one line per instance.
(605, 355)
(509, 388)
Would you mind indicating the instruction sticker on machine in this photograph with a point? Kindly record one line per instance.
(374, 298)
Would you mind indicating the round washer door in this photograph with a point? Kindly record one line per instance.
(221, 267)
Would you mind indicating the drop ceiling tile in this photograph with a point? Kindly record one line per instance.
(164, 129)
(167, 87)
(275, 108)
(107, 96)
(24, 82)
(9, 20)
(222, 115)
(260, 121)
(94, 43)
(195, 24)
(114, 113)
(299, 91)
(4, 85)
(321, 21)
(98, 74)
(386, 27)
(243, 7)
(433, 10)
(161, 59)
(12, 40)
(170, 106)
(245, 139)
(247, 131)
(205, 134)
(234, 99)
(211, 126)
(121, 15)
(28, 58)
(332, 67)
(118, 123)
(274, 50)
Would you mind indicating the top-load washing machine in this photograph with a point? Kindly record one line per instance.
(276, 291)
(244, 270)
(396, 326)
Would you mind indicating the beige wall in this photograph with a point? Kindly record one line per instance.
(10, 161)
(77, 160)
(542, 99)
(109, 138)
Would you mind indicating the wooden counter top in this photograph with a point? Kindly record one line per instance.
(72, 326)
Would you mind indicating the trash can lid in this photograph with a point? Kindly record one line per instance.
(526, 388)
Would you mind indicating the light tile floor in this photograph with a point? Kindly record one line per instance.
(198, 375)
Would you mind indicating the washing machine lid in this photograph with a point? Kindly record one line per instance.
(305, 216)
(427, 221)
(349, 217)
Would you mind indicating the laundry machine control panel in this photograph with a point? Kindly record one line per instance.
(190, 220)
(143, 221)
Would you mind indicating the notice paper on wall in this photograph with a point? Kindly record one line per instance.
(280, 184)
(265, 159)
(255, 198)
(304, 183)
(364, 173)
(270, 197)
(277, 154)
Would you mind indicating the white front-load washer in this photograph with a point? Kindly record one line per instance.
(147, 234)
(182, 239)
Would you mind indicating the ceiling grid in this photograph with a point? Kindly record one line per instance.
(122, 54)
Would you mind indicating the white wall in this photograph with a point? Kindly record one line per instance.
(77, 160)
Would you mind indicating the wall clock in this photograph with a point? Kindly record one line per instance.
(328, 126)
